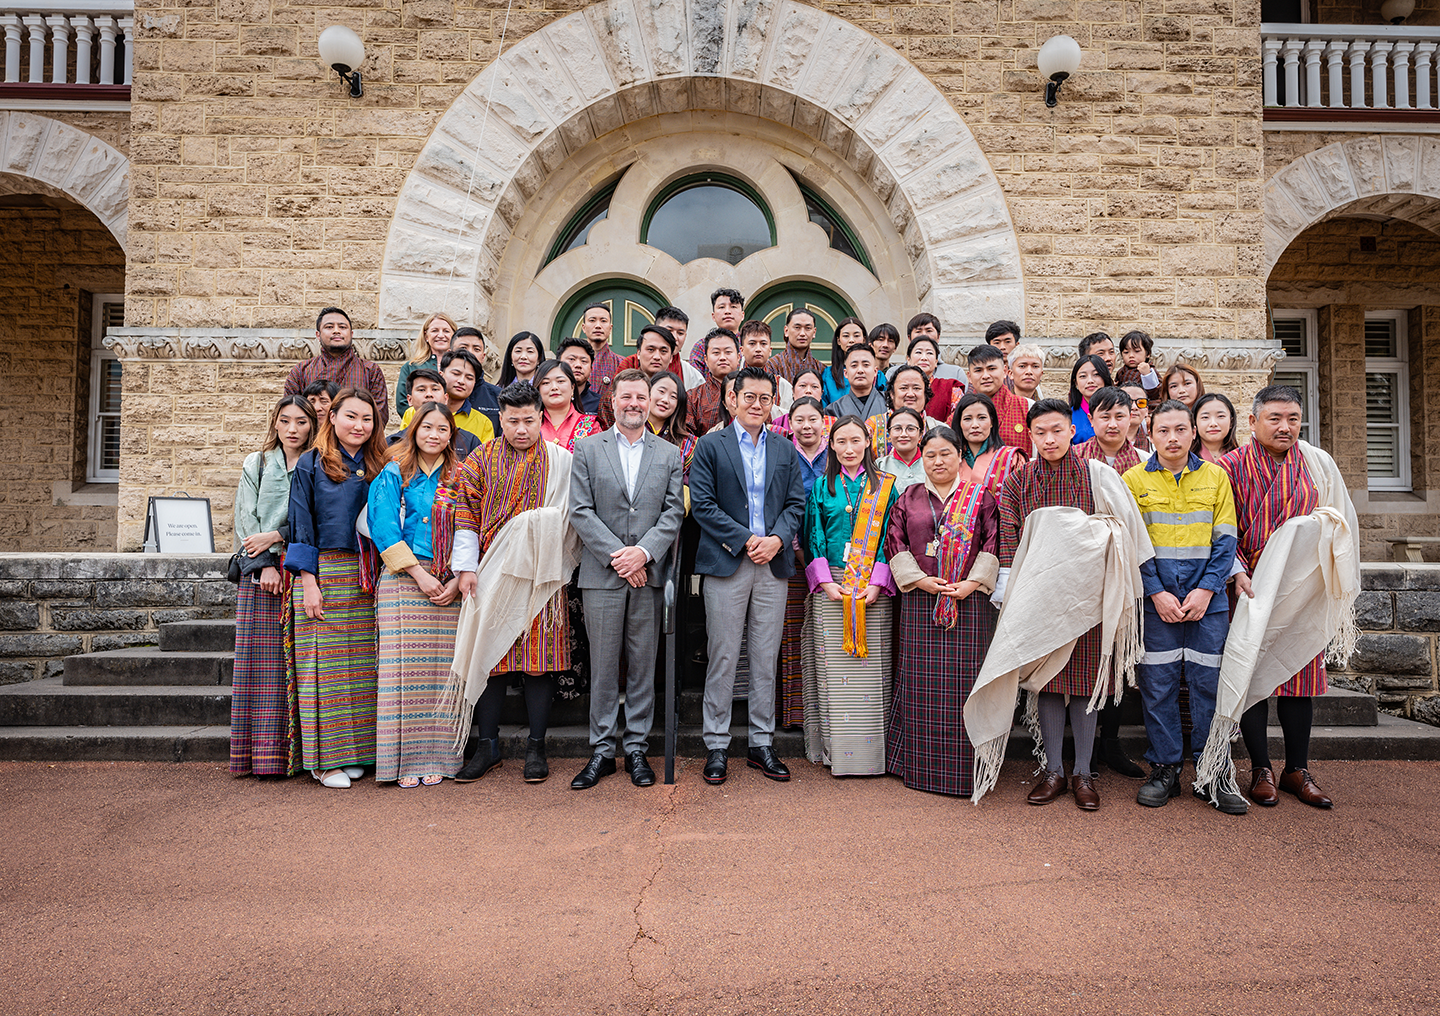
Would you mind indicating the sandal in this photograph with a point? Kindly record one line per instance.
(409, 782)
(432, 780)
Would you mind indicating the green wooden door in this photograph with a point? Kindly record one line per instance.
(773, 304)
(632, 307)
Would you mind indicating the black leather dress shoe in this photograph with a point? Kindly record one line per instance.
(765, 759)
(715, 766)
(596, 769)
(638, 766)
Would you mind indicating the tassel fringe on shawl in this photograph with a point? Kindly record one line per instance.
(1071, 572)
(1305, 585)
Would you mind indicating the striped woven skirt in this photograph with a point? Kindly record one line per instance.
(259, 702)
(334, 667)
(417, 645)
(847, 699)
(790, 695)
(926, 745)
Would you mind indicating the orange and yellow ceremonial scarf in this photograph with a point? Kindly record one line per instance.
(879, 428)
(860, 554)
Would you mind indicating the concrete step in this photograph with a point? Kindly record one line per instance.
(146, 665)
(1391, 738)
(198, 636)
(50, 702)
(116, 744)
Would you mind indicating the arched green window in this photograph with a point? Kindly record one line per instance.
(632, 307)
(708, 215)
(842, 237)
(772, 305)
(577, 231)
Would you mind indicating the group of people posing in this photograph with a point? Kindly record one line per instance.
(890, 553)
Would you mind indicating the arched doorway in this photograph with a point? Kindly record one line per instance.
(632, 307)
(774, 304)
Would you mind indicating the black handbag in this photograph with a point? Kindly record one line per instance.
(232, 573)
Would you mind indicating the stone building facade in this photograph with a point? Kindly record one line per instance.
(508, 161)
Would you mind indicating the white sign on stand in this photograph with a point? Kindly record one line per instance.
(179, 525)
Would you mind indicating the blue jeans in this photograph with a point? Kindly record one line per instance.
(1192, 650)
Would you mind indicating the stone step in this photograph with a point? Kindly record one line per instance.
(1391, 738)
(116, 744)
(50, 702)
(198, 636)
(146, 665)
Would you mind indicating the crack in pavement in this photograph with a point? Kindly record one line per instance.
(666, 814)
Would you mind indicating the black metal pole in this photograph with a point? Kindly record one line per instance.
(672, 595)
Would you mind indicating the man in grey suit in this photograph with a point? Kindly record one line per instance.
(626, 504)
(748, 498)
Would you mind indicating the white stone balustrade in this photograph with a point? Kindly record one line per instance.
(102, 32)
(1391, 67)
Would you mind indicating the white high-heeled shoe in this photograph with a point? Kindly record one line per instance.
(354, 772)
(333, 778)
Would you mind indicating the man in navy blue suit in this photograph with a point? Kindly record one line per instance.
(747, 496)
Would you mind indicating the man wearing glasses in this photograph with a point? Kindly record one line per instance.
(796, 357)
(747, 496)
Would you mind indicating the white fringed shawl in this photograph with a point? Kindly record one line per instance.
(1071, 572)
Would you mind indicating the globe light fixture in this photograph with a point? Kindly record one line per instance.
(343, 50)
(1057, 60)
(1396, 11)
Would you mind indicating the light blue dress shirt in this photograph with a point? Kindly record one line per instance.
(752, 457)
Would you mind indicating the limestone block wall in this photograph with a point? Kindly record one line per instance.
(52, 259)
(56, 605)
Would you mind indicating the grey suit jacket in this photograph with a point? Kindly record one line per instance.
(607, 518)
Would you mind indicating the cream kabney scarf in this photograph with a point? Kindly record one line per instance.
(520, 573)
(1071, 572)
(1305, 585)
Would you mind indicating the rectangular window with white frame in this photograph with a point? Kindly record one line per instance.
(103, 448)
(1387, 400)
(1301, 367)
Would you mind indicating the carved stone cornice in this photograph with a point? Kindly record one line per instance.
(1227, 355)
(384, 345)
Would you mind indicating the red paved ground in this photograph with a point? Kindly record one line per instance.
(149, 888)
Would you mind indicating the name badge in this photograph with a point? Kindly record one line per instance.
(932, 548)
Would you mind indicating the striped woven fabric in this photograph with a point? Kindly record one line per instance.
(847, 698)
(417, 643)
(334, 667)
(259, 703)
(789, 684)
(1267, 495)
(925, 744)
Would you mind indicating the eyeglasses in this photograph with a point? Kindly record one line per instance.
(752, 399)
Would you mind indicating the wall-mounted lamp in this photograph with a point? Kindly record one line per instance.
(1396, 11)
(343, 50)
(1057, 60)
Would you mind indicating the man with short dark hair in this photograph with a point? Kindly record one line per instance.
(755, 352)
(722, 358)
(747, 496)
(511, 496)
(597, 325)
(320, 394)
(579, 356)
(799, 338)
(1189, 513)
(677, 323)
(1277, 479)
(656, 352)
(1004, 336)
(626, 504)
(1071, 612)
(486, 396)
(339, 362)
(1110, 410)
(986, 375)
(863, 399)
(727, 309)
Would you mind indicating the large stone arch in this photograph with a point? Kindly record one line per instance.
(78, 164)
(614, 63)
(1396, 175)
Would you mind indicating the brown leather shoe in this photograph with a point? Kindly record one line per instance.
(1262, 787)
(1303, 785)
(1083, 786)
(1051, 786)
